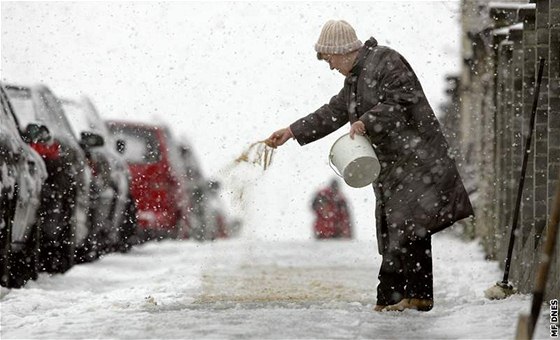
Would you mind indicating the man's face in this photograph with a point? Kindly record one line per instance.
(341, 62)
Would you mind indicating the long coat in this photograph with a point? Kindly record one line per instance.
(419, 190)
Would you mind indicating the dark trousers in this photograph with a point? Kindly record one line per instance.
(406, 272)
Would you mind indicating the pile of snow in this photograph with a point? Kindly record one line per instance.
(255, 289)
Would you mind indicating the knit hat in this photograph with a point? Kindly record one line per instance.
(337, 37)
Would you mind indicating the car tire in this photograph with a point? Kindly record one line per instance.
(59, 257)
(35, 246)
(89, 252)
(8, 208)
(68, 242)
(128, 234)
(25, 263)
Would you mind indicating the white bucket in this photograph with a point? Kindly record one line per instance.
(355, 160)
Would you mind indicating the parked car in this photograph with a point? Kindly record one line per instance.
(155, 166)
(191, 166)
(22, 174)
(224, 229)
(112, 214)
(65, 194)
(204, 224)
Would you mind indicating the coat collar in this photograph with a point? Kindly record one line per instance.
(362, 56)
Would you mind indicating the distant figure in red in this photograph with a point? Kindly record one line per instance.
(333, 217)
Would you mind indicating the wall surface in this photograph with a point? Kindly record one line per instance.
(488, 122)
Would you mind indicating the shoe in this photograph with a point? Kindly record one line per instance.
(422, 305)
(379, 308)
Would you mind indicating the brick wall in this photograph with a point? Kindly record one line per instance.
(554, 123)
(489, 122)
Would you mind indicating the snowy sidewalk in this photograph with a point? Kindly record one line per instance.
(241, 289)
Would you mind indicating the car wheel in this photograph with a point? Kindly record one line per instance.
(68, 242)
(89, 251)
(35, 256)
(60, 254)
(7, 208)
(128, 234)
(198, 233)
(25, 263)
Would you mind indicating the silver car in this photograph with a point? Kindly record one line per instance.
(112, 212)
(22, 175)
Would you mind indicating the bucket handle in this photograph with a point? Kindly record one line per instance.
(334, 168)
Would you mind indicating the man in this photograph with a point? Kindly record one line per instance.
(418, 191)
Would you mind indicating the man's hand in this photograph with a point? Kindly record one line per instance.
(357, 128)
(279, 137)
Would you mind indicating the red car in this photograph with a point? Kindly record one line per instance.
(155, 167)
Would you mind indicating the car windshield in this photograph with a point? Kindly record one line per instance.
(22, 105)
(142, 145)
(6, 118)
(53, 108)
(45, 110)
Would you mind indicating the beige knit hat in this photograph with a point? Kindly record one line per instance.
(337, 37)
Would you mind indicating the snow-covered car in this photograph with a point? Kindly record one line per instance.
(225, 228)
(112, 214)
(202, 225)
(209, 219)
(22, 174)
(191, 165)
(65, 193)
(155, 166)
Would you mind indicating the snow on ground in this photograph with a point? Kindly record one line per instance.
(259, 289)
(239, 70)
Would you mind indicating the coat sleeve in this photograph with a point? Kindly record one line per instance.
(399, 91)
(322, 122)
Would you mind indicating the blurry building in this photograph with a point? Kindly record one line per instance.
(487, 121)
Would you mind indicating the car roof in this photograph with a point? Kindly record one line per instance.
(137, 125)
(32, 87)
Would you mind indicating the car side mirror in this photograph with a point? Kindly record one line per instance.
(90, 139)
(121, 146)
(36, 133)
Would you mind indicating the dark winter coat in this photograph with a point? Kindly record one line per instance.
(419, 190)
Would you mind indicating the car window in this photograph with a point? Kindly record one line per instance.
(5, 115)
(5, 109)
(8, 122)
(22, 105)
(142, 145)
(77, 117)
(173, 152)
(95, 121)
(53, 109)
